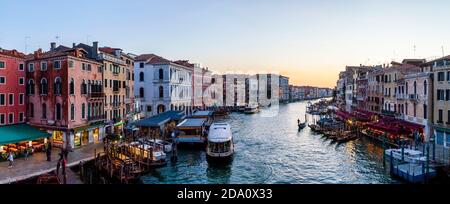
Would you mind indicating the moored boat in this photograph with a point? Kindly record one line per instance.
(220, 146)
(251, 109)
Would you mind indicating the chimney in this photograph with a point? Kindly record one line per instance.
(95, 49)
(52, 46)
(37, 53)
(117, 53)
(73, 45)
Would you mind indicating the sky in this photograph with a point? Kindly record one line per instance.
(310, 41)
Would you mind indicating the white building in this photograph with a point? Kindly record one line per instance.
(162, 85)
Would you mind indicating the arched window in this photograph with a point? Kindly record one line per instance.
(83, 110)
(161, 92)
(72, 86)
(83, 87)
(407, 88)
(72, 111)
(171, 107)
(58, 111)
(58, 86)
(30, 89)
(44, 86)
(44, 111)
(425, 88)
(161, 74)
(141, 76)
(415, 87)
(141, 92)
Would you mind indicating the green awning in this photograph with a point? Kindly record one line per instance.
(20, 133)
(119, 123)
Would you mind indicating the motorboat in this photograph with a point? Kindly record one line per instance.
(251, 109)
(220, 144)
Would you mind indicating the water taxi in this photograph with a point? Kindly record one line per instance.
(409, 155)
(220, 143)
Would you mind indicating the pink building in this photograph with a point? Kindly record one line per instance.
(65, 95)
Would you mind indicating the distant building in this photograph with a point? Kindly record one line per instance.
(284, 89)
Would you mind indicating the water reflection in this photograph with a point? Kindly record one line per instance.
(272, 150)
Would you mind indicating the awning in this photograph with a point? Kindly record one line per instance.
(20, 133)
(119, 123)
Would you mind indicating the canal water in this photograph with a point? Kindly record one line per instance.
(269, 149)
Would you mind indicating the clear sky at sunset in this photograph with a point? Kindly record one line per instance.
(309, 41)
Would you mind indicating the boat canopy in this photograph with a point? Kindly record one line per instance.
(192, 123)
(161, 119)
(198, 114)
(220, 132)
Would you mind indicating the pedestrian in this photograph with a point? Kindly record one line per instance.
(58, 165)
(10, 159)
(298, 121)
(26, 153)
(64, 170)
(49, 152)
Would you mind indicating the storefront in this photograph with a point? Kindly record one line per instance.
(83, 136)
(58, 138)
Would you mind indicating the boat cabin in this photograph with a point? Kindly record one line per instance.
(208, 115)
(220, 140)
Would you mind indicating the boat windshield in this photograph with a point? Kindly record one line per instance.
(219, 147)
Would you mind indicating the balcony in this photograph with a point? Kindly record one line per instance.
(96, 118)
(414, 97)
(96, 95)
(401, 96)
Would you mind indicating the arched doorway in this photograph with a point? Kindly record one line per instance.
(161, 108)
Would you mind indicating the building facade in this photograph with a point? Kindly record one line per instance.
(163, 85)
(12, 87)
(65, 95)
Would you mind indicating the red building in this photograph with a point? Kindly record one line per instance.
(12, 87)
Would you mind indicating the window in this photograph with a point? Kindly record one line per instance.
(141, 65)
(447, 95)
(57, 64)
(448, 116)
(440, 95)
(10, 118)
(425, 88)
(44, 111)
(72, 87)
(84, 87)
(30, 89)
(71, 64)
(2, 80)
(58, 111)
(21, 67)
(31, 110)
(83, 66)
(441, 76)
(448, 75)
(21, 81)
(415, 87)
(57, 86)
(31, 67)
(440, 116)
(415, 110)
(43, 66)
(2, 100)
(149, 108)
(72, 112)
(21, 98)
(2, 119)
(141, 92)
(161, 74)
(83, 110)
(44, 86)
(2, 64)
(21, 118)
(11, 99)
(161, 92)
(89, 67)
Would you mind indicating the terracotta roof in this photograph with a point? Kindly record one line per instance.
(184, 63)
(109, 50)
(152, 59)
(12, 53)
